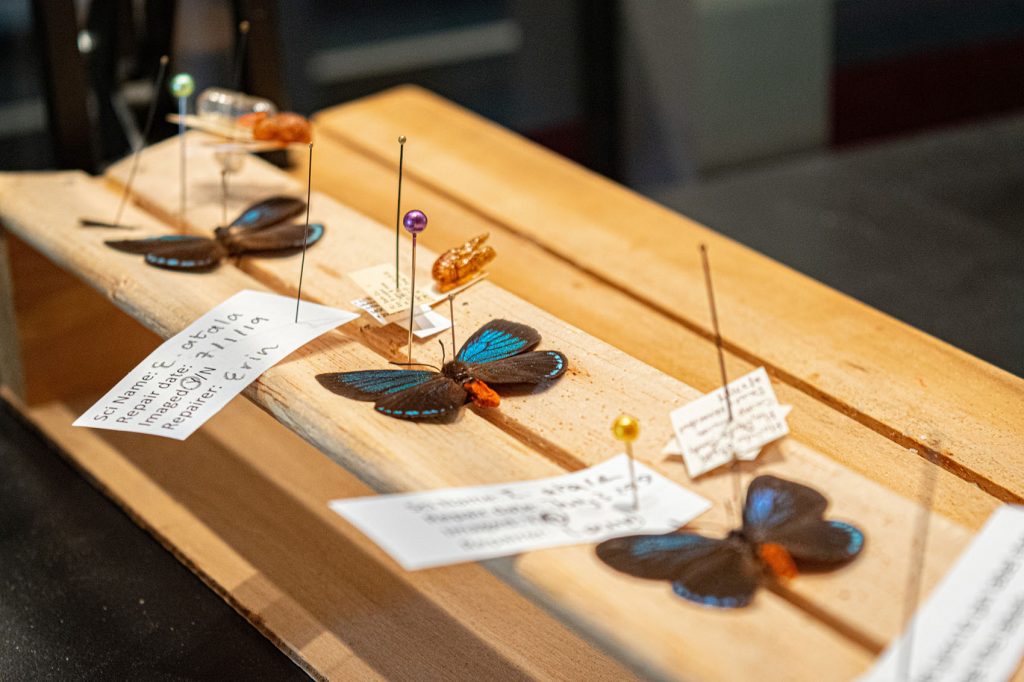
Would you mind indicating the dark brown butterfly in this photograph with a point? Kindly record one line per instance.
(500, 352)
(260, 229)
(783, 530)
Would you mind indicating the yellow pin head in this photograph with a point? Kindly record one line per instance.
(626, 428)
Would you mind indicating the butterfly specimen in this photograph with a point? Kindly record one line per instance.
(783, 530)
(500, 352)
(260, 229)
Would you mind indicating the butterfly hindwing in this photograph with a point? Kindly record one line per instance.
(175, 252)
(435, 399)
(526, 368)
(791, 515)
(708, 571)
(276, 238)
(496, 340)
(373, 384)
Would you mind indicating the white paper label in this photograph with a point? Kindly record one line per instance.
(426, 323)
(673, 449)
(971, 629)
(708, 439)
(387, 304)
(440, 527)
(194, 374)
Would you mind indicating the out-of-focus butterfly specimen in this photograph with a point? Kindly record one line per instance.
(260, 230)
(461, 263)
(783, 532)
(499, 353)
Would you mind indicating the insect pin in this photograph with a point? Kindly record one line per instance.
(783, 530)
(626, 428)
(499, 353)
(460, 263)
(182, 86)
(414, 222)
(260, 229)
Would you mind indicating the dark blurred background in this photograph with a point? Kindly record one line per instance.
(876, 145)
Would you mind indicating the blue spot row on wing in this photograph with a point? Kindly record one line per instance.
(250, 216)
(725, 602)
(673, 542)
(316, 230)
(412, 413)
(492, 344)
(175, 262)
(558, 367)
(856, 538)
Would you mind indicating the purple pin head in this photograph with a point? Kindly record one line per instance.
(415, 221)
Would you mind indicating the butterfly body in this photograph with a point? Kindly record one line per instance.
(783, 531)
(260, 229)
(498, 353)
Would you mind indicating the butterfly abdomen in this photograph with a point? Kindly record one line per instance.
(778, 560)
(481, 394)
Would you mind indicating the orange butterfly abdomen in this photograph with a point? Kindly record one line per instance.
(778, 560)
(482, 394)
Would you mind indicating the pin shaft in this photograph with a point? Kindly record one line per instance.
(150, 115)
(305, 238)
(412, 295)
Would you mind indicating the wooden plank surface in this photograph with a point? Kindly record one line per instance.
(827, 628)
(365, 182)
(909, 387)
(860, 606)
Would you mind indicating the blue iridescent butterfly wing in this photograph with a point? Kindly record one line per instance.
(268, 212)
(373, 384)
(527, 368)
(279, 238)
(706, 571)
(437, 399)
(791, 515)
(496, 340)
(174, 252)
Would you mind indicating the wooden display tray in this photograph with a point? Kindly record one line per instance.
(243, 502)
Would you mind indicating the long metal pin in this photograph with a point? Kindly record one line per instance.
(224, 196)
(243, 35)
(412, 295)
(398, 204)
(721, 368)
(182, 111)
(150, 115)
(632, 476)
(915, 574)
(451, 314)
(305, 238)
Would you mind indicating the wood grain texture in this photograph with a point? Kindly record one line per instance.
(907, 386)
(12, 373)
(568, 424)
(365, 183)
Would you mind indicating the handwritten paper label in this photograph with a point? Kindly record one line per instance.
(972, 626)
(708, 439)
(386, 304)
(194, 374)
(440, 527)
(673, 449)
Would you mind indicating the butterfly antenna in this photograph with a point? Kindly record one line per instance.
(736, 488)
(442, 352)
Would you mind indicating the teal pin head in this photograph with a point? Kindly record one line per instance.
(182, 85)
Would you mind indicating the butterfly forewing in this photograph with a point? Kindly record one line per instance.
(372, 384)
(276, 238)
(175, 252)
(437, 398)
(527, 368)
(496, 340)
(267, 212)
